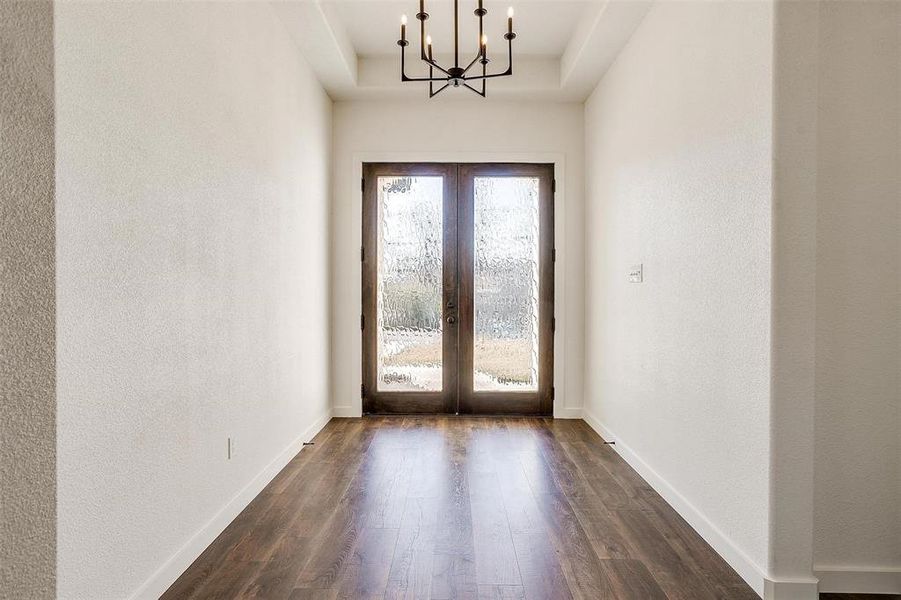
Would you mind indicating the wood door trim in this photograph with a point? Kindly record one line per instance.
(523, 403)
(457, 394)
(387, 402)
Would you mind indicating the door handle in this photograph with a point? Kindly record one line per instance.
(451, 320)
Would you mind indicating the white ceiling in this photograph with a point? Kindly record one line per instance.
(542, 28)
(562, 48)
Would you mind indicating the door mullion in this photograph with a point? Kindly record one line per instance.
(449, 310)
(465, 283)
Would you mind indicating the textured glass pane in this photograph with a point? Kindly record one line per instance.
(505, 353)
(409, 283)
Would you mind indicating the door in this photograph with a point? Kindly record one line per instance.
(458, 294)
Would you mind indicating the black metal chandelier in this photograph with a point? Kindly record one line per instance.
(456, 75)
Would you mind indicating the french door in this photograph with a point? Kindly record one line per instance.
(458, 288)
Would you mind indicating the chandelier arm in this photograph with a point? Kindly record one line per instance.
(432, 63)
(436, 79)
(509, 70)
(488, 76)
(403, 73)
(480, 13)
(480, 93)
(403, 53)
(484, 71)
(441, 89)
(474, 61)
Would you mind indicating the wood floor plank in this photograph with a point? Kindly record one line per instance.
(579, 563)
(276, 578)
(453, 560)
(308, 594)
(458, 508)
(523, 514)
(337, 541)
(630, 579)
(495, 555)
(501, 592)
(366, 577)
(410, 576)
(607, 488)
(700, 557)
(542, 576)
(671, 571)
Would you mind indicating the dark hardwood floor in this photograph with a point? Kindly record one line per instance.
(446, 507)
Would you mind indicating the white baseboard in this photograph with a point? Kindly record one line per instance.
(732, 554)
(166, 575)
(859, 580)
(347, 411)
(567, 413)
(790, 590)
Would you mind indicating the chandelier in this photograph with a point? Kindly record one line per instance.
(456, 75)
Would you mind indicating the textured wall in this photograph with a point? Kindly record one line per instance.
(193, 149)
(858, 484)
(27, 369)
(678, 163)
(457, 128)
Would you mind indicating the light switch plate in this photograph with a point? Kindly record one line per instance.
(636, 274)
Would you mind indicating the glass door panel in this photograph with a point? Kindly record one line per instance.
(505, 291)
(409, 285)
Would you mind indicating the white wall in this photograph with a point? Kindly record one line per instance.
(456, 129)
(678, 163)
(193, 150)
(858, 307)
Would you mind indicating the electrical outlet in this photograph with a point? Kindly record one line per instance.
(636, 273)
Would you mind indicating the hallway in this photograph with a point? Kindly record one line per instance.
(444, 507)
(232, 232)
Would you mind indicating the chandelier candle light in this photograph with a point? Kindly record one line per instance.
(456, 75)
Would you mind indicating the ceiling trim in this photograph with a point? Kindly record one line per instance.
(320, 34)
(598, 41)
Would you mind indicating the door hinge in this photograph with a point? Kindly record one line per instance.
(362, 322)
(553, 324)
(363, 184)
(554, 255)
(554, 186)
(362, 254)
(553, 390)
(362, 391)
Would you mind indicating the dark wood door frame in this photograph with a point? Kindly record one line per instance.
(539, 402)
(457, 395)
(385, 402)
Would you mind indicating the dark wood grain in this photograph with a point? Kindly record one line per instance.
(458, 394)
(376, 401)
(539, 402)
(449, 507)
